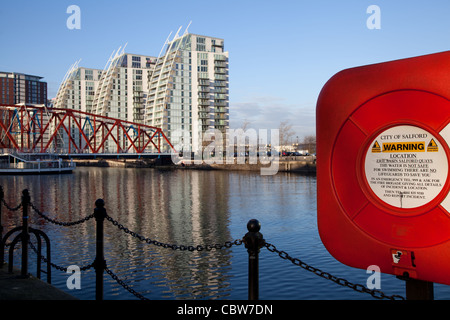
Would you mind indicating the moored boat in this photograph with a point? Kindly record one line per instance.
(14, 164)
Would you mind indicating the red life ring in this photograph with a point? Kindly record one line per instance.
(380, 201)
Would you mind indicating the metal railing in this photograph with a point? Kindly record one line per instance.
(253, 241)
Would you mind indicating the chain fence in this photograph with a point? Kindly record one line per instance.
(375, 293)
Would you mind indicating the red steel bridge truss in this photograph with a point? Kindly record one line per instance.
(40, 129)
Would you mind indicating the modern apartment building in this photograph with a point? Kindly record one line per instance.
(183, 91)
(123, 85)
(188, 90)
(18, 88)
(78, 88)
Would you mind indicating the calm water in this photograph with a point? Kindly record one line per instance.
(187, 207)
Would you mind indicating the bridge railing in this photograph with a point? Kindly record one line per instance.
(41, 129)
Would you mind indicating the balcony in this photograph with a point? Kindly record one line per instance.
(219, 63)
(219, 70)
(220, 58)
(203, 95)
(203, 89)
(220, 123)
(220, 103)
(217, 43)
(203, 82)
(220, 109)
(204, 102)
(220, 77)
(220, 83)
(203, 115)
(221, 90)
(220, 96)
(220, 117)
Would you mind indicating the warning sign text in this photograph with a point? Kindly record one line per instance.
(403, 170)
(404, 147)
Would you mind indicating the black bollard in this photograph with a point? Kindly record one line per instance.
(253, 242)
(419, 290)
(25, 233)
(99, 263)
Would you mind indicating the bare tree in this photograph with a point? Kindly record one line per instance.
(310, 143)
(285, 132)
(245, 124)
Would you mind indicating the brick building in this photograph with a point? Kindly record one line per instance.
(18, 88)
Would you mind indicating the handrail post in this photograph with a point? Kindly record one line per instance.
(25, 233)
(99, 263)
(253, 240)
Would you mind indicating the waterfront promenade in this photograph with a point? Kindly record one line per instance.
(14, 287)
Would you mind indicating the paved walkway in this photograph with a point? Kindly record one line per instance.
(13, 287)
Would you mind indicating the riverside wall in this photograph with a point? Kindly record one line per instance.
(284, 165)
(300, 164)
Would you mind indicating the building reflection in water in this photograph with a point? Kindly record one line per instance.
(181, 207)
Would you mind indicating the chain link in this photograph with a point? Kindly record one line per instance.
(217, 246)
(124, 285)
(65, 224)
(228, 244)
(64, 269)
(343, 282)
(11, 208)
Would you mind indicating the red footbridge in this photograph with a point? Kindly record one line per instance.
(35, 129)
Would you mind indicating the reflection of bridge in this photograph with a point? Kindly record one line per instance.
(65, 131)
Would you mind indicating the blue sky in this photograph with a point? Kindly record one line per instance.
(281, 52)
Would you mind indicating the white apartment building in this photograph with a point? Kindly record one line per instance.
(78, 88)
(117, 91)
(184, 89)
(76, 92)
(188, 90)
(122, 87)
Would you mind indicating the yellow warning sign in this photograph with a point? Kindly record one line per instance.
(404, 147)
(376, 147)
(432, 146)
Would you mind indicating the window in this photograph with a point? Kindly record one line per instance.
(88, 75)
